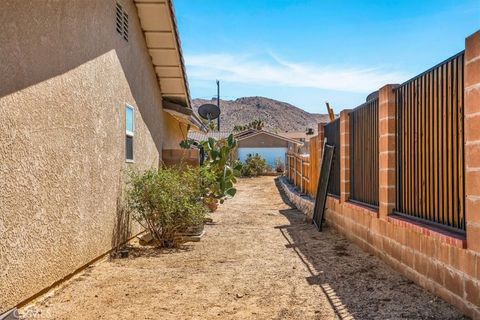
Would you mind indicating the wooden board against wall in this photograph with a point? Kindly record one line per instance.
(323, 181)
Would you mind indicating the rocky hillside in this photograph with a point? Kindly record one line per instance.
(278, 116)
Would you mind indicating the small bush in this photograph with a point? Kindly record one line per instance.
(254, 166)
(166, 201)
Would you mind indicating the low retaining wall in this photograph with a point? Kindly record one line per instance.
(302, 202)
(435, 260)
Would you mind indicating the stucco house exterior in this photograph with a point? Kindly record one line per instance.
(269, 145)
(88, 90)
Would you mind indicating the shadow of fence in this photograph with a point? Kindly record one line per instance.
(357, 284)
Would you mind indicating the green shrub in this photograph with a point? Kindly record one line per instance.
(254, 166)
(166, 201)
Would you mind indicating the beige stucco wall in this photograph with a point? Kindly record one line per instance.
(66, 77)
(177, 132)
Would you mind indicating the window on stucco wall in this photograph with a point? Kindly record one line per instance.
(129, 132)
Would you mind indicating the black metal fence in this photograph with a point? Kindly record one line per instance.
(364, 153)
(430, 165)
(332, 133)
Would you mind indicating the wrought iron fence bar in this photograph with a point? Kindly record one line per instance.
(364, 156)
(430, 165)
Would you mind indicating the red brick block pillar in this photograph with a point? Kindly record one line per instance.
(472, 140)
(386, 150)
(344, 155)
(320, 140)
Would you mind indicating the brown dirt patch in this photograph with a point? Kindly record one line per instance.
(258, 261)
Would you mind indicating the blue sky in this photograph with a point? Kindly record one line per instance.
(309, 52)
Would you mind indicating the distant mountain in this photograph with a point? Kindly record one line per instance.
(278, 116)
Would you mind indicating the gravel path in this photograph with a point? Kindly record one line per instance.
(258, 261)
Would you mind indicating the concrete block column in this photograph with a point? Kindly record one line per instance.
(472, 140)
(386, 150)
(344, 155)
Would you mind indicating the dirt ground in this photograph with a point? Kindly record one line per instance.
(258, 261)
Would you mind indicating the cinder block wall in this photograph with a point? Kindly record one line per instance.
(446, 265)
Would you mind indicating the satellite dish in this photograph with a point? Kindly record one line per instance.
(209, 111)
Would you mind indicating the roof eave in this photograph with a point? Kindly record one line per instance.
(159, 27)
(180, 52)
(183, 115)
(257, 132)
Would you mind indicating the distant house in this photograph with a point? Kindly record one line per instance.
(269, 145)
(88, 90)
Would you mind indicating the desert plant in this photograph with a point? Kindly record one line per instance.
(254, 166)
(217, 171)
(238, 128)
(189, 143)
(166, 201)
(256, 124)
(218, 163)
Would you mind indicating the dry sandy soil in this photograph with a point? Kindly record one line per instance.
(258, 261)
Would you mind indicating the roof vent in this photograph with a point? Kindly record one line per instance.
(121, 21)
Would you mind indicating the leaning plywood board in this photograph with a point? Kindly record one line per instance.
(321, 197)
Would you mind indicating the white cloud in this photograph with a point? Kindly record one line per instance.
(275, 71)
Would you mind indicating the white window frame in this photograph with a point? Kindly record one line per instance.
(127, 132)
(130, 133)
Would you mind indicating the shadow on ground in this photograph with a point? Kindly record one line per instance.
(148, 251)
(357, 284)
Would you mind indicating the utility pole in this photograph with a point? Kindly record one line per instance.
(218, 104)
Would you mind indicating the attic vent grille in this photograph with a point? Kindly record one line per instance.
(121, 21)
(125, 26)
(119, 18)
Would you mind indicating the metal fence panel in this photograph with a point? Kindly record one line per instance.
(332, 133)
(364, 153)
(430, 166)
